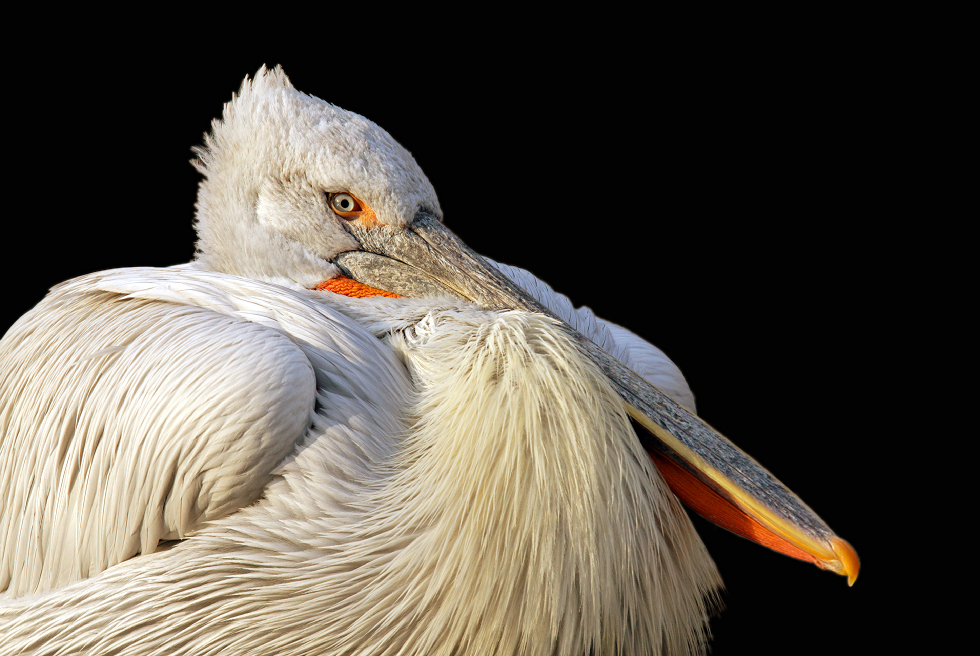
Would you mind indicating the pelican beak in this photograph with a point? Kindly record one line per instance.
(707, 471)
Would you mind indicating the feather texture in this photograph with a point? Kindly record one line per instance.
(488, 503)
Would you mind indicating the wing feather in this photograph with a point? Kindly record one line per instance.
(125, 421)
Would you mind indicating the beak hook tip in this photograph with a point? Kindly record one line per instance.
(848, 558)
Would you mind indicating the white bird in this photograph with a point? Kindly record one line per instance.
(256, 452)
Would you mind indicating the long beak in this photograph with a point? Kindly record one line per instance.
(707, 471)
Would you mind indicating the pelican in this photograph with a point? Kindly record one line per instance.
(338, 430)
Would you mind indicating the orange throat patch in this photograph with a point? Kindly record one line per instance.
(350, 287)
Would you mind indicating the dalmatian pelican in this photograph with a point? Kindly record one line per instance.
(340, 431)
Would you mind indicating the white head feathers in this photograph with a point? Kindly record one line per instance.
(268, 165)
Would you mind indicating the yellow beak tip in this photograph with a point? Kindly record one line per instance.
(848, 558)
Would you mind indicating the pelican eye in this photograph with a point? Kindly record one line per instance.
(343, 203)
(351, 208)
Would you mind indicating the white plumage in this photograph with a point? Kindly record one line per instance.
(346, 475)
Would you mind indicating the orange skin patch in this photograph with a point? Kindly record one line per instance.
(368, 218)
(350, 287)
(709, 504)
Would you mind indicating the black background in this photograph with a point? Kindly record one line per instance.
(715, 196)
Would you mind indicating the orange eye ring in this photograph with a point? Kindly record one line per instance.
(345, 205)
(351, 208)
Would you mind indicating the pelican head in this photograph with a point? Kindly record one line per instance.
(278, 168)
